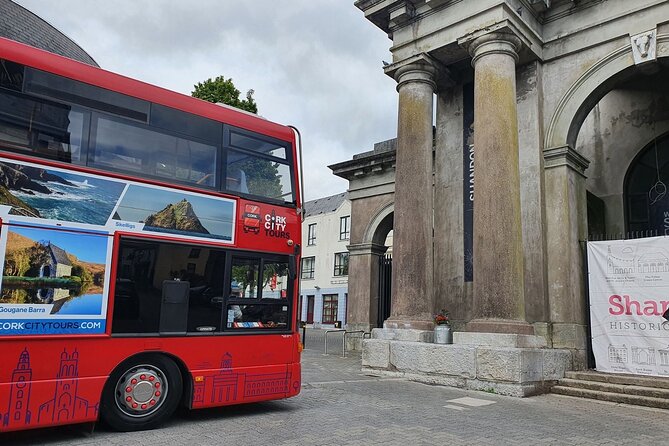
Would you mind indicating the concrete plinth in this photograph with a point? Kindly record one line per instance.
(513, 371)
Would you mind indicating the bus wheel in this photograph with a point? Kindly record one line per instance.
(141, 393)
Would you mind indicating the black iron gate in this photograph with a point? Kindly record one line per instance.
(385, 274)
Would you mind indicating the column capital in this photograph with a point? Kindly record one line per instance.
(419, 68)
(416, 73)
(565, 156)
(360, 249)
(495, 43)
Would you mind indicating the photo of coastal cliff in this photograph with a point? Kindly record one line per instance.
(61, 268)
(177, 212)
(53, 194)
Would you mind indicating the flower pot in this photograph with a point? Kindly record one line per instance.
(443, 334)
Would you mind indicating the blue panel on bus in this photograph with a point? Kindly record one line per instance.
(9, 327)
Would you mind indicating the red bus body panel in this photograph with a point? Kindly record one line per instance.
(47, 382)
(58, 379)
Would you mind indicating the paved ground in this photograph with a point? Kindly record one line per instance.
(340, 406)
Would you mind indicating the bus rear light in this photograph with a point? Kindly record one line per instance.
(300, 347)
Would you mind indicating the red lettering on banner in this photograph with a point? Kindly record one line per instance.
(614, 300)
(625, 305)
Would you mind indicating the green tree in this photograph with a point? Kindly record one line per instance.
(262, 177)
(78, 270)
(17, 262)
(223, 90)
(39, 256)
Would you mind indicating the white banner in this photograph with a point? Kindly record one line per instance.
(629, 292)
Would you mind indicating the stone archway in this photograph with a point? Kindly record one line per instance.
(589, 88)
(376, 234)
(567, 156)
(380, 225)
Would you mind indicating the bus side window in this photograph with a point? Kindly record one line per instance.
(236, 181)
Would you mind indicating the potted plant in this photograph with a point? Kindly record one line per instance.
(442, 328)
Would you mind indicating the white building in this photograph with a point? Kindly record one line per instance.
(326, 232)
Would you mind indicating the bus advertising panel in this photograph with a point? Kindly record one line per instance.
(56, 242)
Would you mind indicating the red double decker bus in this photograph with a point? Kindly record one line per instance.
(148, 246)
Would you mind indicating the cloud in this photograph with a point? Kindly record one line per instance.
(312, 64)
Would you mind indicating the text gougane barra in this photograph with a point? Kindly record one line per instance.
(17, 310)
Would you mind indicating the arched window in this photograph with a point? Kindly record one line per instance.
(647, 199)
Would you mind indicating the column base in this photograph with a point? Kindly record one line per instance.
(500, 326)
(413, 324)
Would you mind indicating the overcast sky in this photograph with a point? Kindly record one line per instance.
(314, 64)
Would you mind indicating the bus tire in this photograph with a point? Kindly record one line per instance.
(141, 393)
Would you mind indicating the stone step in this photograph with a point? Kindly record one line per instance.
(619, 378)
(636, 400)
(653, 392)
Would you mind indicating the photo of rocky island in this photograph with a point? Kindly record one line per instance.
(65, 269)
(53, 194)
(177, 212)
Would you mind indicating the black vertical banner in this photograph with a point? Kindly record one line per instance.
(468, 178)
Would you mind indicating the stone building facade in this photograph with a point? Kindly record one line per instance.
(551, 117)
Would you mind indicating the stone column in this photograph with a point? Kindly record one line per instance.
(412, 293)
(566, 226)
(499, 305)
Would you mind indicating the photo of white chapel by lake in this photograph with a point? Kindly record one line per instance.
(62, 269)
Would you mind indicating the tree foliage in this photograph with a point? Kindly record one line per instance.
(262, 177)
(17, 262)
(80, 271)
(39, 256)
(224, 90)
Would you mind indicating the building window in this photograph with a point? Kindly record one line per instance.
(330, 305)
(345, 228)
(311, 238)
(308, 264)
(341, 264)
